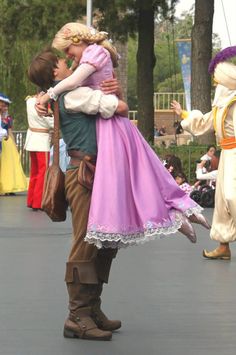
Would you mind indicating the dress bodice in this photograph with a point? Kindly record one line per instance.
(100, 58)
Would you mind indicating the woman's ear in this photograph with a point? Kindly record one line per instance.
(55, 72)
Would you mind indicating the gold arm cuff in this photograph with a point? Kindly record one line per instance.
(184, 114)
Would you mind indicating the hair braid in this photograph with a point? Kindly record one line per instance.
(91, 37)
(74, 32)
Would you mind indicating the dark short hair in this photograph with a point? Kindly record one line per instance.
(174, 161)
(181, 175)
(211, 146)
(41, 69)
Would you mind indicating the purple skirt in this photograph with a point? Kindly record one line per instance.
(134, 198)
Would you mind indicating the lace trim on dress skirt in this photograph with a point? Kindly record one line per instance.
(104, 239)
(193, 210)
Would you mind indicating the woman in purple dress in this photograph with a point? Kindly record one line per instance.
(134, 197)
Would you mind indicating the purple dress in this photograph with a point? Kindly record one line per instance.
(134, 197)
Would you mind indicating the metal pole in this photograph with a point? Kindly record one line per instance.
(89, 12)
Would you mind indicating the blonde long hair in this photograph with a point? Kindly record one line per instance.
(74, 32)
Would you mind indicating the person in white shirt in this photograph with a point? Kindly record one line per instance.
(201, 175)
(37, 143)
(206, 158)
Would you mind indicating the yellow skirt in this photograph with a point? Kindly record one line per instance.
(12, 177)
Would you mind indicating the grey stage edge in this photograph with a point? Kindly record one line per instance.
(171, 301)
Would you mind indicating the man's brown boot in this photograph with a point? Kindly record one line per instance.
(80, 323)
(103, 262)
(101, 319)
(82, 326)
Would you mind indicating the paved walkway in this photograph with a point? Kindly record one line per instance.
(171, 301)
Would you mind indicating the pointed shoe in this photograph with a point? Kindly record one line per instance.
(188, 230)
(216, 254)
(199, 219)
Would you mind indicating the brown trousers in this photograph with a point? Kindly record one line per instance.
(85, 260)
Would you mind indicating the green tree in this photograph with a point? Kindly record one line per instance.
(132, 74)
(130, 17)
(201, 56)
(26, 27)
(38, 20)
(167, 72)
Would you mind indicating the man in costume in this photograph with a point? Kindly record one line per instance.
(87, 267)
(222, 119)
(37, 143)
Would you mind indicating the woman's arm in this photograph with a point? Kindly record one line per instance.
(212, 175)
(73, 81)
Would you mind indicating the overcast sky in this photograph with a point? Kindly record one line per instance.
(219, 24)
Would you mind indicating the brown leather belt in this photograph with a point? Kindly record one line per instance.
(77, 156)
(39, 130)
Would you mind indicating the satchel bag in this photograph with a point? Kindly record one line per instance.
(54, 200)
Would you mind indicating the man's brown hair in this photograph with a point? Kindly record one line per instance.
(41, 69)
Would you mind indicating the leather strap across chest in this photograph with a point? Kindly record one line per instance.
(39, 130)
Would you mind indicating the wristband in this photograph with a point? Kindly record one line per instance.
(51, 94)
(184, 114)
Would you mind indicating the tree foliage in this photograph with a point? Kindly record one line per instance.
(202, 54)
(167, 75)
(128, 17)
(121, 16)
(37, 19)
(26, 27)
(29, 25)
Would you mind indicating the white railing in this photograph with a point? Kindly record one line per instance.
(133, 115)
(162, 101)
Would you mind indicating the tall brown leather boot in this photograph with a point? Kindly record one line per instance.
(101, 319)
(103, 263)
(80, 324)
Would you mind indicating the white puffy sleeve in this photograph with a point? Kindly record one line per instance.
(91, 102)
(3, 133)
(197, 123)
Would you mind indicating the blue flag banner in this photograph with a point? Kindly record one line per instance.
(184, 51)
